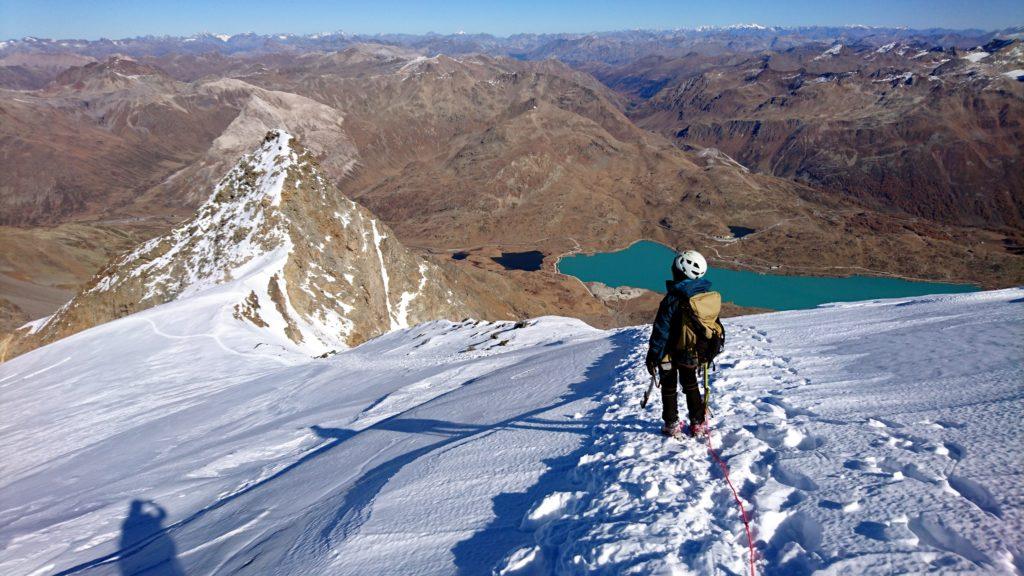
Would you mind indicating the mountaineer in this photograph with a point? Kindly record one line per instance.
(686, 336)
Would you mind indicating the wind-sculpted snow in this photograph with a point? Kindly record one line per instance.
(869, 438)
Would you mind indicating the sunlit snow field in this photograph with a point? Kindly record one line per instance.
(873, 437)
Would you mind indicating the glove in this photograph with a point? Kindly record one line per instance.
(652, 365)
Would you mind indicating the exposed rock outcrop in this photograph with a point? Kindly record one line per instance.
(306, 263)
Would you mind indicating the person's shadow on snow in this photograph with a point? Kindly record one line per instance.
(158, 555)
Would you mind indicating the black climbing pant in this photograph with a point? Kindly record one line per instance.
(670, 381)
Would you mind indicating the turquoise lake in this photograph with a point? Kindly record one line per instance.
(646, 265)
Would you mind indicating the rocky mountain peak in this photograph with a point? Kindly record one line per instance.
(114, 72)
(240, 221)
(292, 256)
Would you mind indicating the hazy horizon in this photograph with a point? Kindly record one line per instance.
(116, 19)
(499, 36)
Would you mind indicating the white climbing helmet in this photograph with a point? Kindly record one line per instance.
(691, 264)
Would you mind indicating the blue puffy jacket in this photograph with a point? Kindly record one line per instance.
(668, 321)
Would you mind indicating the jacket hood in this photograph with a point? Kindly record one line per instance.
(687, 287)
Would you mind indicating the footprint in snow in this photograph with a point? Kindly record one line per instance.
(914, 471)
(848, 507)
(954, 451)
(790, 410)
(873, 530)
(883, 423)
(785, 437)
(891, 531)
(975, 493)
(793, 478)
(793, 547)
(868, 465)
(932, 531)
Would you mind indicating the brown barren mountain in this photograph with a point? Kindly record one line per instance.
(462, 154)
(926, 132)
(477, 154)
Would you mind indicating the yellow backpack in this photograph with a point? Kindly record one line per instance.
(702, 335)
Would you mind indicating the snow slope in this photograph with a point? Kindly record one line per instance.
(873, 437)
(867, 438)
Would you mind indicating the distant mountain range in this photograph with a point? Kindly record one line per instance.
(849, 150)
(608, 47)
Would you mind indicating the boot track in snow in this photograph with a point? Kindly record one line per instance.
(645, 501)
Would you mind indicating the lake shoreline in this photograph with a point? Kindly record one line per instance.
(644, 264)
(803, 271)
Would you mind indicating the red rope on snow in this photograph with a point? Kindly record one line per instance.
(735, 494)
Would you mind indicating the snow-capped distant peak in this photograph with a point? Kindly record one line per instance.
(222, 37)
(712, 28)
(751, 26)
(318, 35)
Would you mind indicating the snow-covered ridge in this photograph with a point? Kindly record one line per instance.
(310, 267)
(871, 438)
(234, 227)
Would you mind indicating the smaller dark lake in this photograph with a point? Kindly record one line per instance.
(528, 261)
(741, 231)
(460, 255)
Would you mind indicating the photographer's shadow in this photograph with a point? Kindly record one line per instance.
(158, 557)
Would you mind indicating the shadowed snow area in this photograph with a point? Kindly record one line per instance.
(872, 437)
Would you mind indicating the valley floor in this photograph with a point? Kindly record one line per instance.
(871, 438)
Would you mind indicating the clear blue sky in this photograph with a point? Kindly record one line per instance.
(124, 18)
